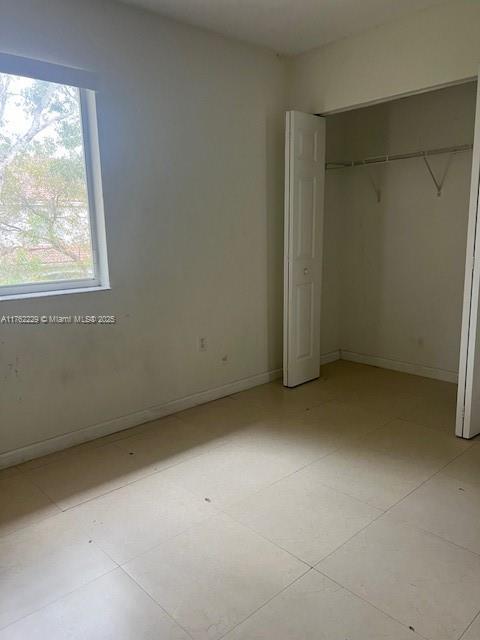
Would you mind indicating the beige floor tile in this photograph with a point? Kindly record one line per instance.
(413, 442)
(258, 455)
(333, 419)
(353, 375)
(90, 444)
(473, 632)
(299, 443)
(88, 474)
(345, 370)
(375, 478)
(116, 436)
(435, 411)
(310, 434)
(297, 446)
(43, 562)
(273, 435)
(373, 389)
(220, 416)
(418, 578)
(315, 608)
(417, 386)
(299, 471)
(349, 419)
(276, 399)
(384, 402)
(445, 506)
(467, 466)
(213, 576)
(170, 441)
(22, 504)
(8, 472)
(231, 472)
(36, 463)
(388, 403)
(303, 516)
(363, 376)
(145, 428)
(112, 607)
(133, 519)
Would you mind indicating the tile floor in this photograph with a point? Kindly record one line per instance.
(344, 509)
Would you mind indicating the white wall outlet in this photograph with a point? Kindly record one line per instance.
(202, 344)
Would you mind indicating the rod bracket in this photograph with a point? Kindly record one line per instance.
(438, 183)
(376, 187)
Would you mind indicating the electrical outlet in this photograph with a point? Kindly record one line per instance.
(202, 344)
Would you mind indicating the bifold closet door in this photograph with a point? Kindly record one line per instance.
(468, 405)
(304, 204)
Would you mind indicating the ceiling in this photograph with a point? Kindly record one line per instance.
(286, 26)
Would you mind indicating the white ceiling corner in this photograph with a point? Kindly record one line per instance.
(286, 26)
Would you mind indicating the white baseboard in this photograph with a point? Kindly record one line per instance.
(405, 367)
(10, 458)
(333, 356)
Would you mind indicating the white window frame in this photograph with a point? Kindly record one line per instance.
(85, 82)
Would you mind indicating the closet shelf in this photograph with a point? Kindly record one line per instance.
(368, 162)
(346, 164)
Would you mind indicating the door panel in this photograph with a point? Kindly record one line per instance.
(304, 196)
(306, 223)
(304, 304)
(468, 404)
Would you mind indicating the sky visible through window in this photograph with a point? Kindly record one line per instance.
(44, 218)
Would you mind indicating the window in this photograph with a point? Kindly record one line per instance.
(51, 211)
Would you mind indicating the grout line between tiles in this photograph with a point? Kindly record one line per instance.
(224, 443)
(155, 602)
(126, 484)
(64, 595)
(408, 524)
(158, 544)
(261, 535)
(221, 511)
(386, 511)
(371, 604)
(477, 617)
(264, 604)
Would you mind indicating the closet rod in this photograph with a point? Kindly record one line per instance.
(398, 156)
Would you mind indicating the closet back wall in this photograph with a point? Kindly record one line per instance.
(401, 261)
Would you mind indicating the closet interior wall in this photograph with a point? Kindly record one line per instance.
(394, 269)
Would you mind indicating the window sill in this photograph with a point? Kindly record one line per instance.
(53, 292)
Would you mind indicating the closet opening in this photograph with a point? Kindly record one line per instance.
(381, 229)
(397, 195)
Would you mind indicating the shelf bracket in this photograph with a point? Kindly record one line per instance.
(376, 187)
(438, 183)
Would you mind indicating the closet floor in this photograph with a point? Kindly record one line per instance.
(344, 509)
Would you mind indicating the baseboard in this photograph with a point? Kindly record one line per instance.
(16, 456)
(405, 367)
(333, 356)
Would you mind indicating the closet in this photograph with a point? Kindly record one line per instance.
(388, 216)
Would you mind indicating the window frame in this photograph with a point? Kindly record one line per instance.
(85, 82)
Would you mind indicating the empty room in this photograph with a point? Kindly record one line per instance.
(239, 320)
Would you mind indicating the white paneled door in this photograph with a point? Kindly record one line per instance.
(304, 204)
(468, 405)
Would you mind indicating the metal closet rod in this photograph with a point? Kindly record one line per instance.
(398, 156)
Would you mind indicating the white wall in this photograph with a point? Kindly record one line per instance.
(430, 48)
(401, 261)
(191, 134)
